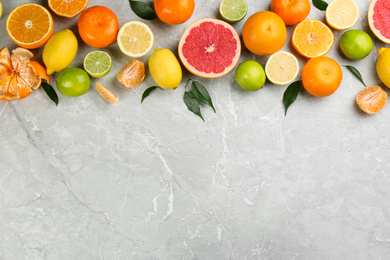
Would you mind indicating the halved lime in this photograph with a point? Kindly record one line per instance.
(97, 64)
(233, 10)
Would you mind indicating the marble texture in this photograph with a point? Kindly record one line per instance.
(91, 180)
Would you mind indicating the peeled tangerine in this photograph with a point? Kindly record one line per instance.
(165, 68)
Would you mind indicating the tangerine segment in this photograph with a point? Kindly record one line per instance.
(132, 74)
(67, 8)
(371, 99)
(312, 38)
(106, 93)
(30, 25)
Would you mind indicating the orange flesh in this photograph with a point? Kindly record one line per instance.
(132, 74)
(106, 93)
(68, 8)
(371, 99)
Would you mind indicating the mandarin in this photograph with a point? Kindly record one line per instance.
(291, 11)
(174, 11)
(371, 99)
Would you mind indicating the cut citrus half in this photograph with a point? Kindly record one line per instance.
(233, 10)
(312, 38)
(67, 8)
(132, 74)
(30, 25)
(378, 19)
(342, 14)
(97, 64)
(282, 68)
(210, 48)
(106, 93)
(371, 99)
(135, 39)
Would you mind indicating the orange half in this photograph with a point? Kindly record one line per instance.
(67, 8)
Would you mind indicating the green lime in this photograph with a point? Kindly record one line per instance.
(97, 64)
(233, 10)
(250, 75)
(356, 44)
(73, 82)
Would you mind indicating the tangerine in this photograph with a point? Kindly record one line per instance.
(132, 74)
(174, 11)
(291, 11)
(371, 99)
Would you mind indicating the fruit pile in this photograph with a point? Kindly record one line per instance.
(208, 48)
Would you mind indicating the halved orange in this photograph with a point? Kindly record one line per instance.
(371, 99)
(67, 8)
(30, 25)
(106, 93)
(312, 38)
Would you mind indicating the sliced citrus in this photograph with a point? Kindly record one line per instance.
(97, 64)
(282, 68)
(135, 39)
(342, 14)
(106, 93)
(371, 99)
(312, 38)
(378, 19)
(30, 25)
(132, 74)
(39, 70)
(67, 8)
(233, 10)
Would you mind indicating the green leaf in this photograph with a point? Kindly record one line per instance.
(51, 93)
(356, 73)
(142, 10)
(290, 95)
(148, 91)
(320, 4)
(192, 103)
(201, 93)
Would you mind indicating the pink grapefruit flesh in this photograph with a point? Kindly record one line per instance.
(210, 48)
(378, 19)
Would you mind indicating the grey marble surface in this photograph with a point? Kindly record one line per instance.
(91, 180)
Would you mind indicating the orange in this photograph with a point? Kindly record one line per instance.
(67, 8)
(291, 11)
(132, 74)
(371, 99)
(312, 38)
(174, 11)
(98, 26)
(30, 25)
(321, 76)
(39, 70)
(264, 33)
(106, 93)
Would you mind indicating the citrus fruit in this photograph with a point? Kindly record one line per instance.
(135, 39)
(97, 64)
(210, 48)
(342, 14)
(312, 38)
(29, 25)
(371, 99)
(39, 70)
(73, 82)
(250, 75)
(264, 33)
(132, 74)
(98, 26)
(282, 68)
(174, 11)
(233, 10)
(165, 68)
(321, 76)
(356, 44)
(383, 66)
(17, 76)
(67, 8)
(106, 93)
(60, 51)
(378, 19)
(291, 11)
(1, 10)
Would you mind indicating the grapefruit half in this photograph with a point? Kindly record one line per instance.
(210, 48)
(378, 19)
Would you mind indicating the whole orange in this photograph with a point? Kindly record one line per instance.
(98, 26)
(321, 76)
(174, 11)
(291, 11)
(264, 33)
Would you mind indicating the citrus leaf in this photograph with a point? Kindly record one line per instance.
(142, 10)
(148, 91)
(356, 73)
(51, 93)
(201, 93)
(320, 4)
(192, 103)
(290, 95)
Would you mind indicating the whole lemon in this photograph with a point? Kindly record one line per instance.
(60, 51)
(165, 68)
(383, 66)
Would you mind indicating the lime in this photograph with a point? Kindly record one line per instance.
(250, 75)
(233, 10)
(356, 44)
(97, 64)
(73, 82)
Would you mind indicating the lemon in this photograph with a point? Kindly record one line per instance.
(282, 68)
(1, 10)
(60, 51)
(342, 14)
(165, 68)
(383, 66)
(135, 39)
